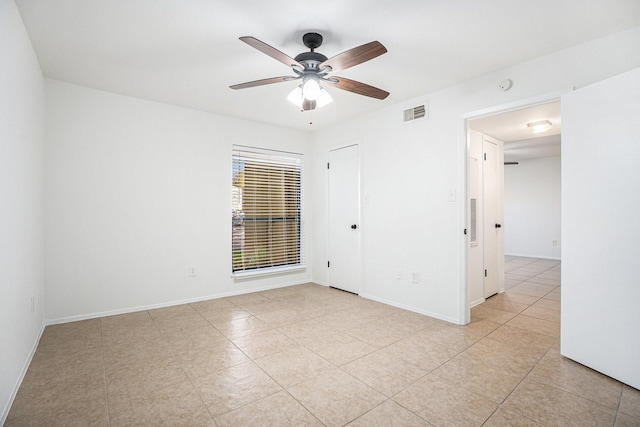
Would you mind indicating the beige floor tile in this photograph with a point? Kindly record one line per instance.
(377, 333)
(552, 406)
(234, 387)
(448, 336)
(630, 401)
(544, 280)
(124, 385)
(294, 365)
(285, 316)
(542, 313)
(173, 405)
(624, 420)
(335, 397)
(277, 410)
(173, 312)
(573, 377)
(32, 411)
(504, 417)
(305, 329)
(85, 331)
(222, 314)
(389, 414)
(211, 305)
(384, 372)
(193, 338)
(503, 303)
(532, 289)
(240, 327)
(207, 360)
(244, 299)
(492, 377)
(336, 347)
(482, 312)
(534, 343)
(547, 304)
(536, 325)
(444, 404)
(493, 350)
(480, 327)
(421, 352)
(553, 295)
(264, 343)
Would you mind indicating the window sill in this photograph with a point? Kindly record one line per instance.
(244, 275)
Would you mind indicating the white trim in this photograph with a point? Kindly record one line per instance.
(97, 315)
(535, 256)
(410, 308)
(477, 302)
(23, 372)
(463, 180)
(267, 271)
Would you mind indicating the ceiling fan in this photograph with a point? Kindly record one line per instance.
(313, 68)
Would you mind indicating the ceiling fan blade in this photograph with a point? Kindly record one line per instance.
(263, 82)
(357, 87)
(271, 51)
(308, 105)
(354, 56)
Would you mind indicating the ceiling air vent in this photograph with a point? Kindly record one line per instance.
(415, 113)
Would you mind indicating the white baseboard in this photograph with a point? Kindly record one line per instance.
(476, 302)
(535, 256)
(23, 372)
(410, 308)
(55, 321)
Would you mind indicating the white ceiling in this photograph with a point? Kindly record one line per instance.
(511, 128)
(187, 52)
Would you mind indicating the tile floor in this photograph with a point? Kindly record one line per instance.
(312, 356)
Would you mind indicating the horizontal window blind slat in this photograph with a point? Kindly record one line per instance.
(267, 210)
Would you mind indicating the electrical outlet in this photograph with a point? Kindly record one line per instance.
(415, 277)
(192, 272)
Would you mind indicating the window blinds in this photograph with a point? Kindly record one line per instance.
(266, 209)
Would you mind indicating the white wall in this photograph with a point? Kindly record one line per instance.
(138, 192)
(21, 202)
(408, 170)
(600, 227)
(532, 208)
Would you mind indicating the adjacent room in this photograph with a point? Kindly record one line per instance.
(277, 213)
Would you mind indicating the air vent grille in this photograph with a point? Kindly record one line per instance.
(415, 113)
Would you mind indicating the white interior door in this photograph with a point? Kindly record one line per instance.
(600, 227)
(492, 216)
(344, 219)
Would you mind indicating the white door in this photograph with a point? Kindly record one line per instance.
(492, 194)
(344, 219)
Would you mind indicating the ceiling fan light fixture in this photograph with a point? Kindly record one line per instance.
(295, 97)
(311, 88)
(539, 126)
(324, 98)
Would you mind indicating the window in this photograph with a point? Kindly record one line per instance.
(266, 211)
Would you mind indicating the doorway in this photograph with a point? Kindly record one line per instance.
(344, 219)
(531, 161)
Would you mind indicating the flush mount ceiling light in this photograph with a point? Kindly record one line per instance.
(313, 68)
(539, 126)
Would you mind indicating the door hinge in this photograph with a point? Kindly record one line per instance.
(485, 156)
(485, 273)
(328, 263)
(465, 231)
(327, 165)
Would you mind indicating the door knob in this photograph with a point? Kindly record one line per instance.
(354, 226)
(498, 225)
